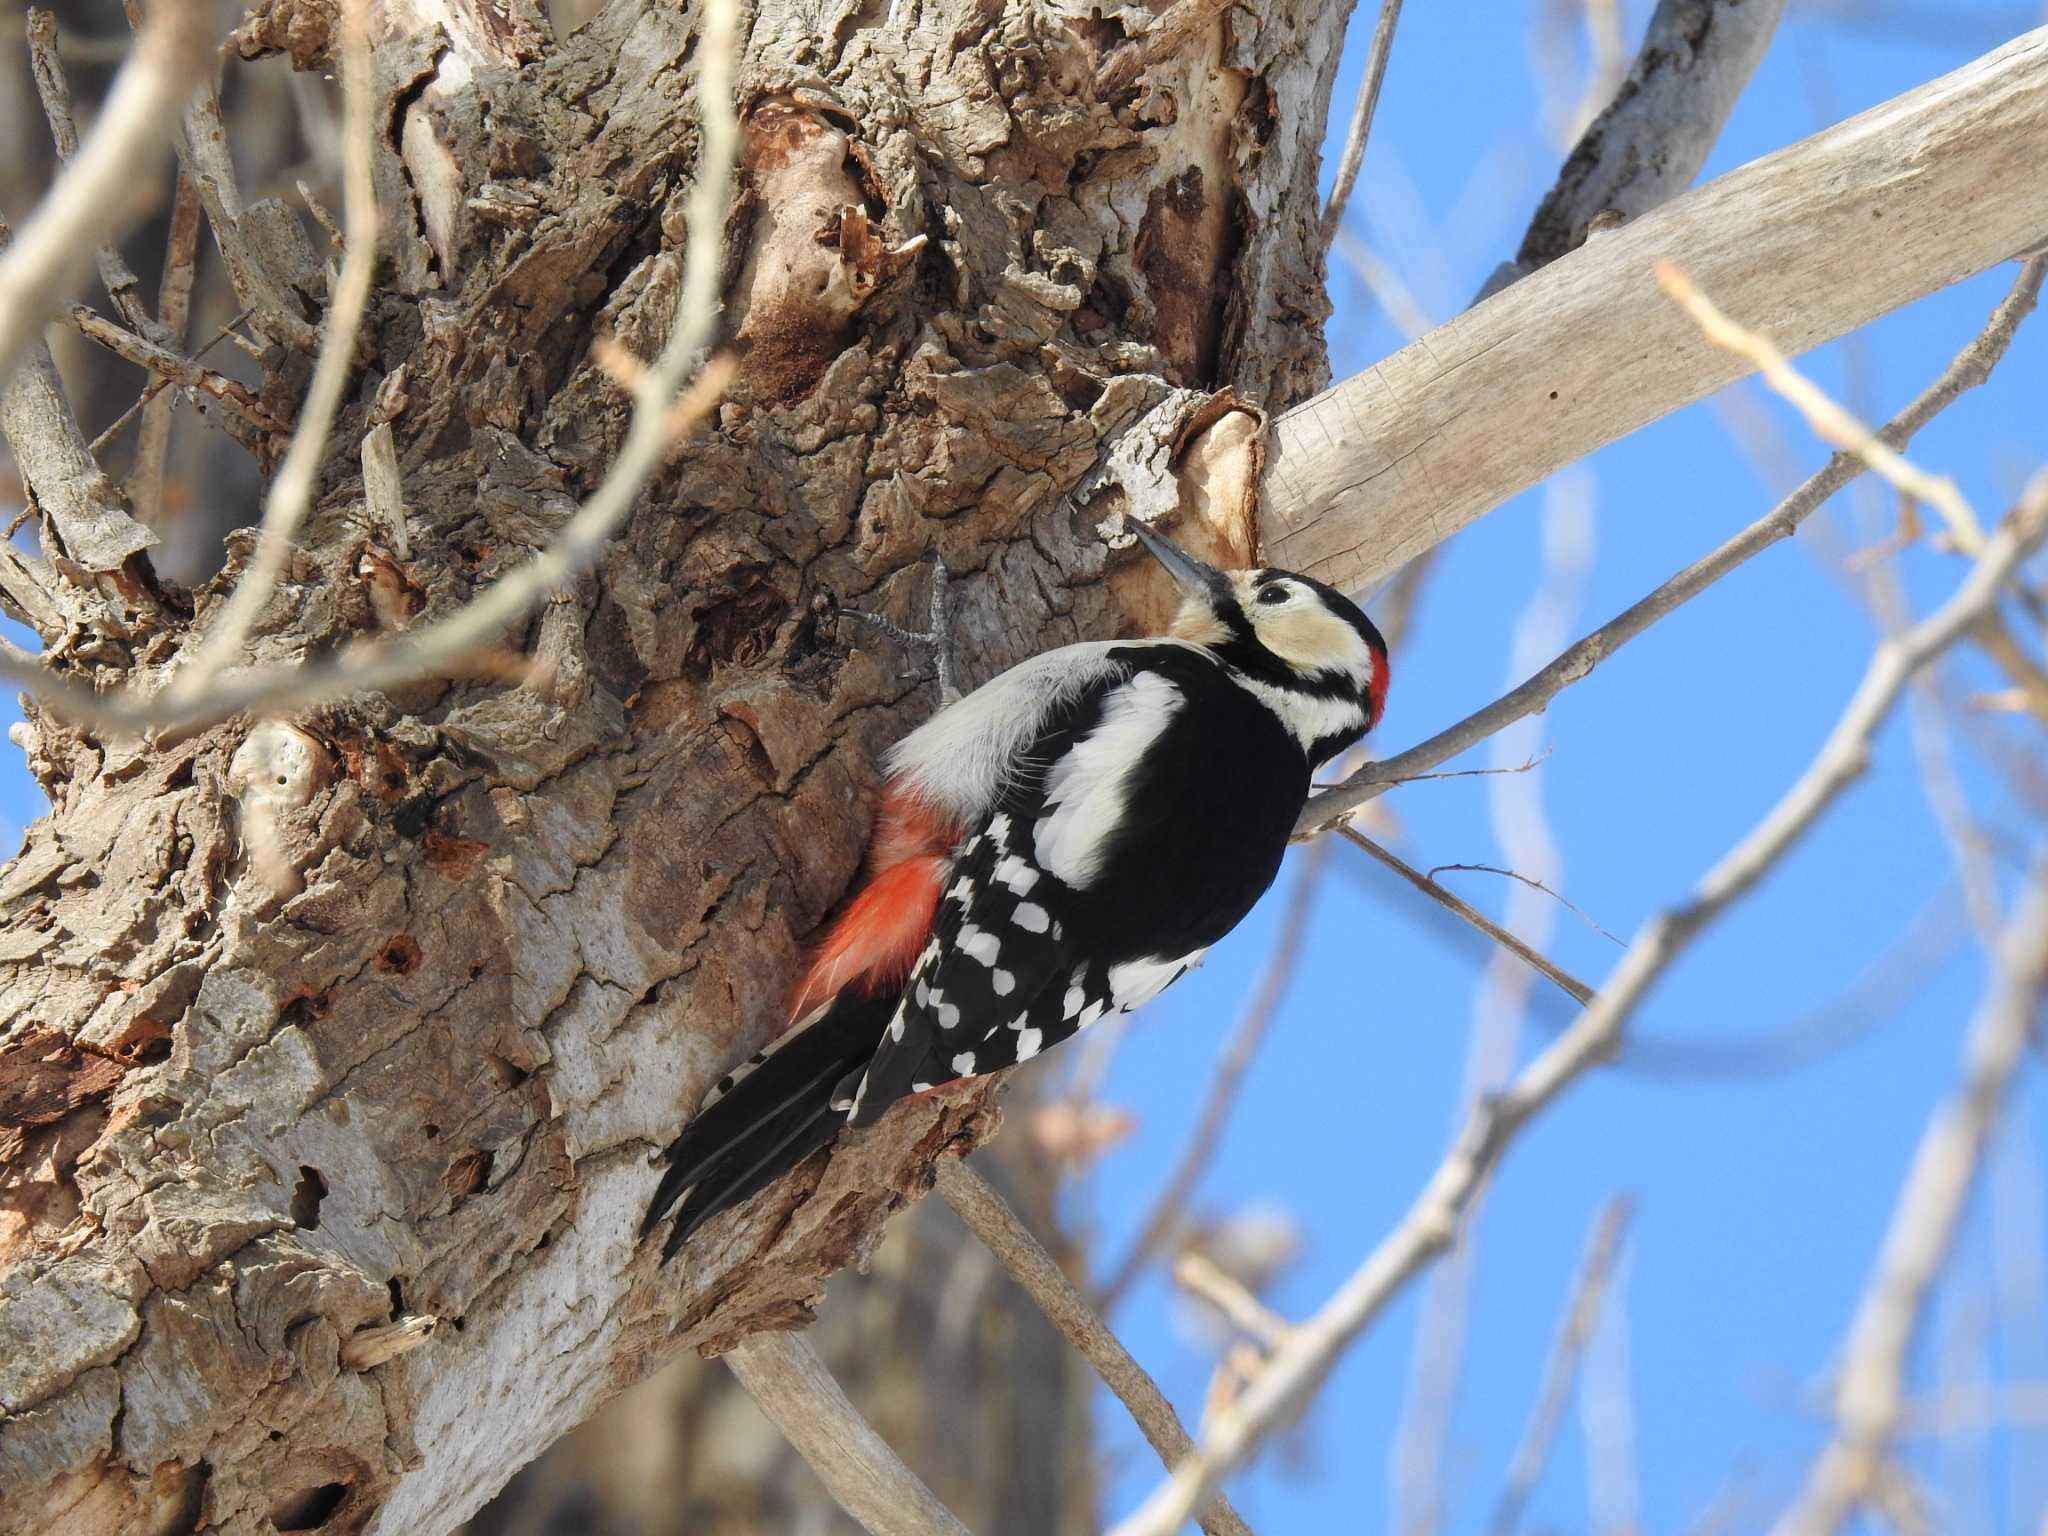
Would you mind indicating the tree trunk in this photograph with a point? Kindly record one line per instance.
(407, 1058)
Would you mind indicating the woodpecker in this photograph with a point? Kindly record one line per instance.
(1061, 844)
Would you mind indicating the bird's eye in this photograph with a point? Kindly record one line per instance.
(1273, 592)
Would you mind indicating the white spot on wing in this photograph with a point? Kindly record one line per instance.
(964, 1063)
(1136, 982)
(1016, 874)
(1031, 917)
(979, 944)
(1086, 788)
(1029, 1043)
(1003, 982)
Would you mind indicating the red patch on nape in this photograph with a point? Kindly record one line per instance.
(1376, 689)
(877, 938)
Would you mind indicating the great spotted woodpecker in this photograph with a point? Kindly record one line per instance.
(1062, 843)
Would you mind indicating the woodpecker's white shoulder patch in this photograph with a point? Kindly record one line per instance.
(962, 759)
(1086, 790)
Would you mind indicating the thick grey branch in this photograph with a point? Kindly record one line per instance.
(1971, 367)
(1816, 240)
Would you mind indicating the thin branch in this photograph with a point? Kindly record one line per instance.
(1562, 979)
(1198, 1273)
(1361, 119)
(120, 281)
(1301, 1363)
(784, 1375)
(1525, 766)
(238, 399)
(174, 315)
(1171, 1205)
(202, 145)
(1532, 883)
(157, 386)
(1575, 1330)
(291, 488)
(1869, 1394)
(989, 1218)
(95, 197)
(1830, 423)
(659, 414)
(1971, 367)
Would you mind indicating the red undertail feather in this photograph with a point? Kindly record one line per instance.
(877, 938)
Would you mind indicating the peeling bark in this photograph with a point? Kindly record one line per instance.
(254, 1125)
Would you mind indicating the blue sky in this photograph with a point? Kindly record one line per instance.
(1759, 1201)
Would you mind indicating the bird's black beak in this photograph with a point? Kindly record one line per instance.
(1192, 575)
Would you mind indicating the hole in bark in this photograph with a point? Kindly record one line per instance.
(507, 1073)
(310, 1510)
(306, 1197)
(397, 1293)
(468, 1174)
(430, 1130)
(400, 956)
(1553, 394)
(307, 1006)
(180, 777)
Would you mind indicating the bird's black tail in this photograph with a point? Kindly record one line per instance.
(777, 1112)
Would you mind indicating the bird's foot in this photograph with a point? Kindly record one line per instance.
(938, 639)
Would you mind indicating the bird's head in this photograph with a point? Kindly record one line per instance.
(1308, 651)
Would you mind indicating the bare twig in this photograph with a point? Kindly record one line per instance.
(158, 386)
(1376, 56)
(1167, 1211)
(989, 1218)
(291, 488)
(1869, 1393)
(1564, 981)
(174, 315)
(1524, 766)
(1575, 1329)
(1531, 882)
(1971, 367)
(784, 1375)
(1200, 1274)
(1427, 1230)
(121, 283)
(1829, 421)
(239, 400)
(432, 649)
(96, 196)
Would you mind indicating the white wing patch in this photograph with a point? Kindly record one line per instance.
(963, 758)
(1084, 793)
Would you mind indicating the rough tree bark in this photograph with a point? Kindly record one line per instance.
(251, 1129)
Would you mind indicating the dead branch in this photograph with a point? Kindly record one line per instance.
(94, 199)
(784, 1375)
(1562, 979)
(1971, 367)
(1301, 1363)
(990, 1218)
(1376, 55)
(1869, 1393)
(1575, 1330)
(1650, 141)
(1386, 464)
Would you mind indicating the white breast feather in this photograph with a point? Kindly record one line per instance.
(1086, 788)
(961, 759)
